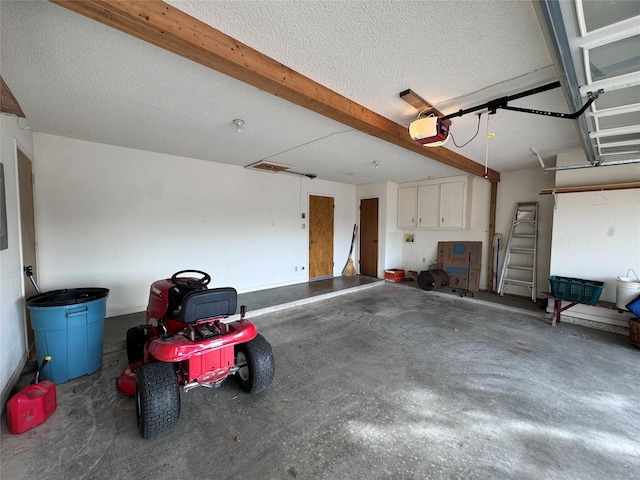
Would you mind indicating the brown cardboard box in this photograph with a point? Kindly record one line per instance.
(459, 253)
(455, 258)
(458, 278)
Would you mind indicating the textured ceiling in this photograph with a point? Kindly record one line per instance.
(77, 78)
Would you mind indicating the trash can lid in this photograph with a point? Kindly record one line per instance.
(67, 296)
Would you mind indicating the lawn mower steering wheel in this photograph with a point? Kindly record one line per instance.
(191, 282)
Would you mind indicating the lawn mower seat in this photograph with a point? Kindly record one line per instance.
(203, 304)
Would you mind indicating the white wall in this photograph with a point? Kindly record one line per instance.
(394, 236)
(424, 250)
(121, 218)
(514, 187)
(596, 235)
(519, 187)
(418, 255)
(13, 343)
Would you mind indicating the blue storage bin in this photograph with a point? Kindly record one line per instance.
(69, 327)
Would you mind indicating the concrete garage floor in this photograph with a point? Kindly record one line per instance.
(388, 382)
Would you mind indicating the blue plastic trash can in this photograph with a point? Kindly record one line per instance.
(69, 327)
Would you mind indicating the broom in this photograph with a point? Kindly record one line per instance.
(349, 270)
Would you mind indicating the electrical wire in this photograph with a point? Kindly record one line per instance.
(467, 143)
(306, 143)
(550, 76)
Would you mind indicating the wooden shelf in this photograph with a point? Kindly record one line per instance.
(590, 188)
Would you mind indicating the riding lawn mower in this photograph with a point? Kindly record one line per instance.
(191, 345)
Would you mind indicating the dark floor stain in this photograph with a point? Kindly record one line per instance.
(518, 350)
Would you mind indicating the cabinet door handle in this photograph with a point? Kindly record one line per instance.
(442, 219)
(413, 220)
(420, 219)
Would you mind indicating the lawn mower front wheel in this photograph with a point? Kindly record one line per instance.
(157, 399)
(256, 366)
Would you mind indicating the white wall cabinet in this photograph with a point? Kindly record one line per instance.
(407, 206)
(440, 205)
(428, 206)
(452, 205)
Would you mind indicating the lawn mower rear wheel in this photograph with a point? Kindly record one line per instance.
(256, 365)
(157, 399)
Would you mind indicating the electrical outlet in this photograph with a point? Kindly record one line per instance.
(424, 260)
(304, 225)
(295, 269)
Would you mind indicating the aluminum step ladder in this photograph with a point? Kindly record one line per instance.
(519, 266)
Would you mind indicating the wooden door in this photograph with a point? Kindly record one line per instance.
(369, 237)
(320, 237)
(27, 219)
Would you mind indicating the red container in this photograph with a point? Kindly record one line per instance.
(394, 275)
(31, 407)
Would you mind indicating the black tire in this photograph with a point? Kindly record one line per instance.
(256, 363)
(157, 399)
(136, 338)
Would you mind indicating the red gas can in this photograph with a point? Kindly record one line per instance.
(31, 407)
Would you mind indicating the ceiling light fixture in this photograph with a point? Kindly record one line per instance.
(239, 124)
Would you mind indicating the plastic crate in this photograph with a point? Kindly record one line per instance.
(576, 289)
(394, 275)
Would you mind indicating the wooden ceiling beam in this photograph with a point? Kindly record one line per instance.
(419, 103)
(8, 103)
(171, 29)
